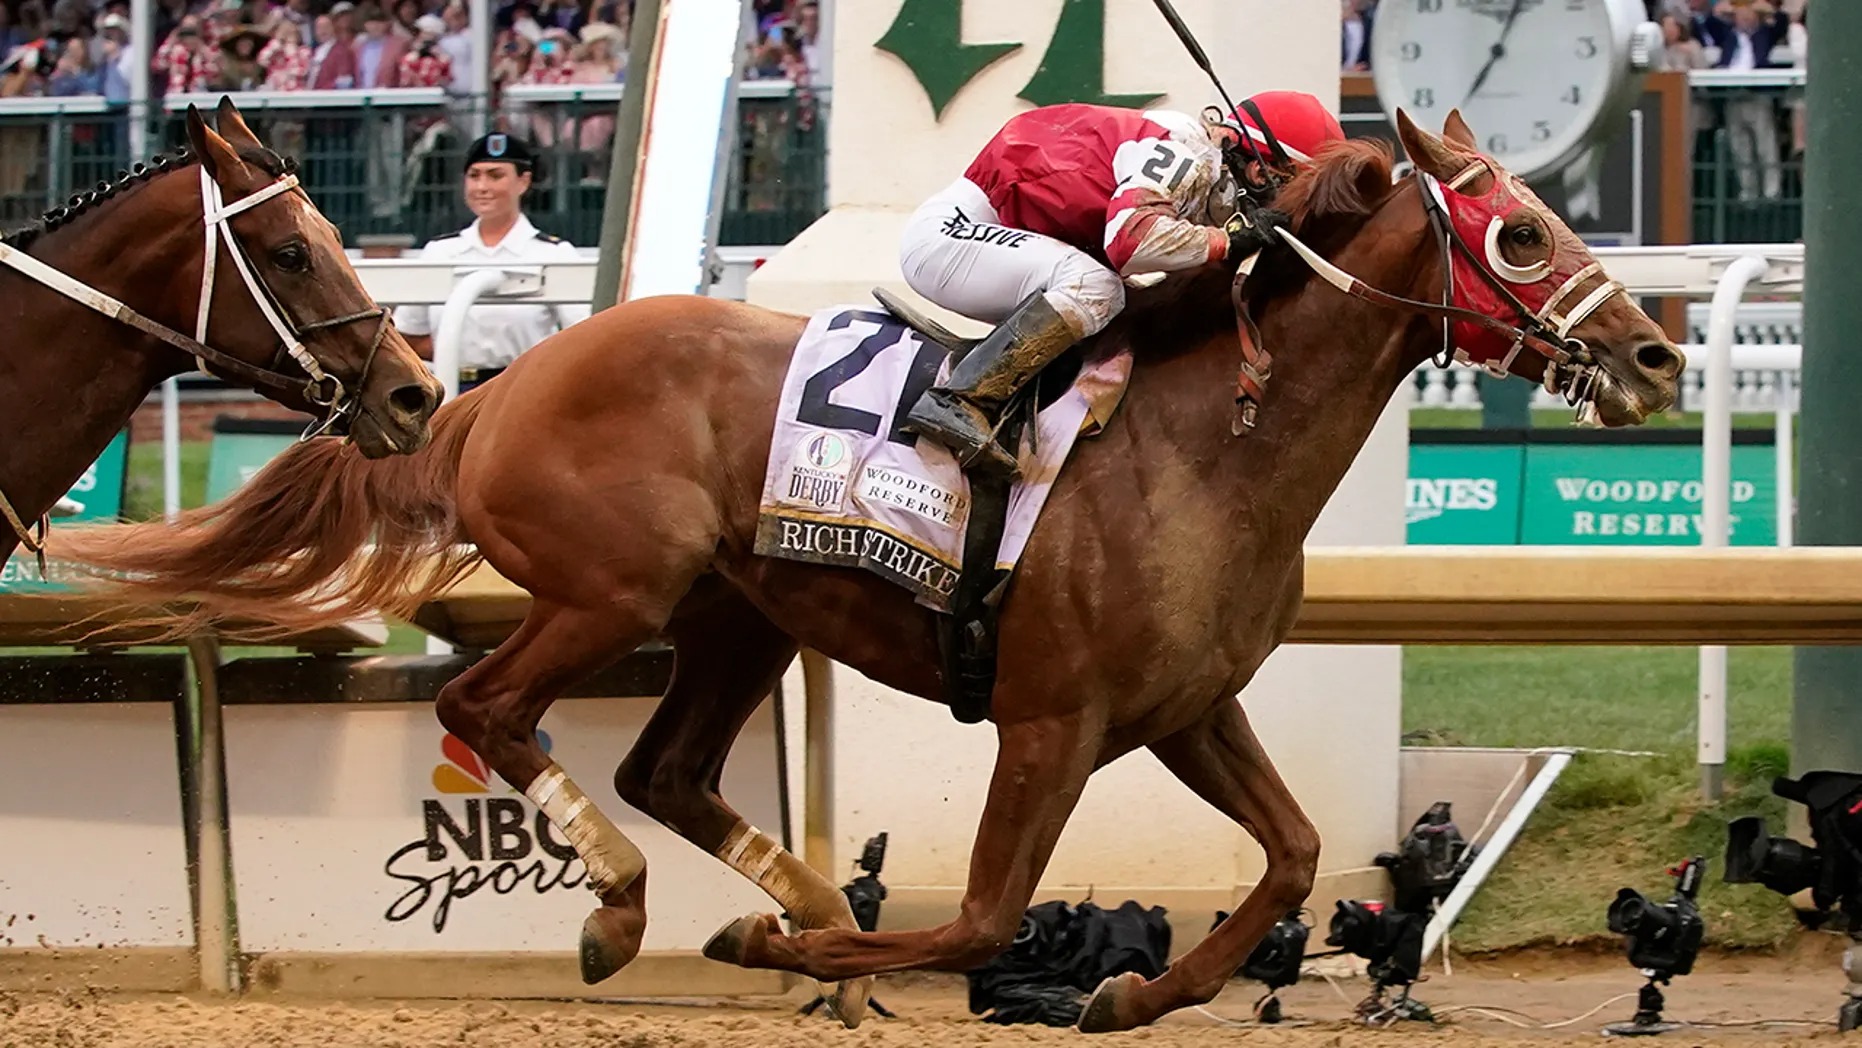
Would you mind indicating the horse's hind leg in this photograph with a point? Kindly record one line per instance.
(1041, 767)
(729, 658)
(1220, 759)
(494, 708)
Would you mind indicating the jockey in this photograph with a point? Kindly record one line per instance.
(1058, 208)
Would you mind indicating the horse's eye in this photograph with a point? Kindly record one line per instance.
(1525, 236)
(292, 258)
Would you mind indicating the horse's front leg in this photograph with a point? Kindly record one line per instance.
(1041, 766)
(1221, 760)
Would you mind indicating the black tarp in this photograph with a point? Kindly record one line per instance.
(1061, 954)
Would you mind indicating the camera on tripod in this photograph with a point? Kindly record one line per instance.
(1276, 961)
(1391, 940)
(865, 893)
(1661, 939)
(1831, 870)
(1429, 862)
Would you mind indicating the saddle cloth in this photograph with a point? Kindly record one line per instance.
(845, 486)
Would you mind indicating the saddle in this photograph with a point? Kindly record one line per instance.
(967, 634)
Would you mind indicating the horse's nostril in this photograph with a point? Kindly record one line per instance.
(1658, 358)
(412, 399)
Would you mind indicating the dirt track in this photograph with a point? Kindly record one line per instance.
(932, 1015)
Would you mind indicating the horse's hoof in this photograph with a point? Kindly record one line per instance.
(731, 944)
(1108, 1011)
(849, 1000)
(610, 941)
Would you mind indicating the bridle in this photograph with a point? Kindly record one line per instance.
(319, 387)
(1570, 369)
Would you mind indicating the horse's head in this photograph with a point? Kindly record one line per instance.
(1515, 288)
(1515, 261)
(284, 298)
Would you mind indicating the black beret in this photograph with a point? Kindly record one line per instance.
(499, 146)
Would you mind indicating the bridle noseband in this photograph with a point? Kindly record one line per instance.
(1569, 370)
(319, 388)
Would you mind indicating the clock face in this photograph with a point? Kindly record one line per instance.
(1531, 77)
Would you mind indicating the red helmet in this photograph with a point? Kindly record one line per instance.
(1299, 122)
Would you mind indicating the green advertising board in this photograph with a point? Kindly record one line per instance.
(99, 497)
(1464, 494)
(241, 447)
(1580, 487)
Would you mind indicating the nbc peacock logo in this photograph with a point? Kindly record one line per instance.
(474, 841)
(463, 771)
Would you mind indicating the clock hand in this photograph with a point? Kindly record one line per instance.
(1499, 50)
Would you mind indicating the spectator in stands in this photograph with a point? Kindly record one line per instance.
(378, 51)
(11, 36)
(74, 74)
(553, 62)
(298, 13)
(425, 64)
(185, 58)
(1745, 31)
(284, 58)
(1800, 58)
(457, 43)
(115, 57)
(406, 14)
(499, 170)
(1355, 33)
(333, 63)
(239, 60)
(602, 58)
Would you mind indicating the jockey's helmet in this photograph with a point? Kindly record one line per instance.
(1299, 122)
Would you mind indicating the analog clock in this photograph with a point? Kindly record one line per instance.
(1540, 81)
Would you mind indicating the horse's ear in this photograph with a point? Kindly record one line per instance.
(216, 156)
(1456, 130)
(1430, 154)
(233, 126)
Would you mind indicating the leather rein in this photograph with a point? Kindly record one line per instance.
(1569, 367)
(319, 387)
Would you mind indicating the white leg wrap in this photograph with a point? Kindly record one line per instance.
(752, 853)
(611, 859)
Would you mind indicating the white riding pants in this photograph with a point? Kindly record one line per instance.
(956, 253)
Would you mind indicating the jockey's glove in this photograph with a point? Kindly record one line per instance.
(1253, 231)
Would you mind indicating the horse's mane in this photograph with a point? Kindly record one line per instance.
(82, 204)
(1346, 183)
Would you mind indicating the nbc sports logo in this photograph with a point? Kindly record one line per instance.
(462, 771)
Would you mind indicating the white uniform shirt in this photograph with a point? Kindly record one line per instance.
(496, 333)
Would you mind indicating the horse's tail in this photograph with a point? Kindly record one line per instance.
(319, 536)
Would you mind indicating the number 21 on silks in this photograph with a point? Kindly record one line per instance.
(817, 410)
(1155, 167)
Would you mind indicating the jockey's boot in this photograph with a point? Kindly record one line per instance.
(962, 412)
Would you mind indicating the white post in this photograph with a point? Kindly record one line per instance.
(1492, 850)
(1716, 468)
(142, 46)
(478, 14)
(453, 314)
(1783, 439)
(171, 449)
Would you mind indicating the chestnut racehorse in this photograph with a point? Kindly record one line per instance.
(615, 473)
(73, 366)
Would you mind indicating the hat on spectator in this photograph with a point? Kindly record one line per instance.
(341, 7)
(608, 31)
(431, 24)
(499, 146)
(112, 21)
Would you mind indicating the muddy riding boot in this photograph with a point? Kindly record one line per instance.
(962, 413)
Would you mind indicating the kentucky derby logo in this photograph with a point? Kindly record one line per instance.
(818, 473)
(476, 843)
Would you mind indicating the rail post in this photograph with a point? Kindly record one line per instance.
(1827, 704)
(1716, 509)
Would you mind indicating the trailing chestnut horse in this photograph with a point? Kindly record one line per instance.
(615, 474)
(74, 365)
